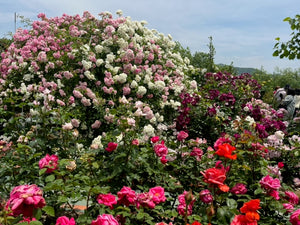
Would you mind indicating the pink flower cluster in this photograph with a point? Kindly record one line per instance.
(184, 199)
(24, 199)
(105, 219)
(271, 185)
(160, 149)
(127, 197)
(63, 220)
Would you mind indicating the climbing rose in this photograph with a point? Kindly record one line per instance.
(111, 146)
(126, 196)
(105, 219)
(24, 199)
(158, 194)
(107, 199)
(182, 136)
(50, 162)
(63, 220)
(294, 218)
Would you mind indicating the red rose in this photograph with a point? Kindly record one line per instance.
(111, 146)
(217, 177)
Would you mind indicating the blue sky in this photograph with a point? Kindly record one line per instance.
(243, 31)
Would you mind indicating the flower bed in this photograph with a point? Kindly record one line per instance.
(104, 112)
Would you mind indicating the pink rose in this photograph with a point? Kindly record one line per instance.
(163, 160)
(49, 162)
(135, 142)
(96, 124)
(158, 194)
(111, 146)
(126, 196)
(280, 165)
(24, 199)
(273, 193)
(160, 149)
(105, 219)
(289, 207)
(182, 204)
(144, 200)
(239, 189)
(182, 136)
(107, 199)
(63, 220)
(269, 183)
(154, 139)
(197, 152)
(206, 196)
(292, 197)
(294, 218)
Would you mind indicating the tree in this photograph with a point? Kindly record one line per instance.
(291, 48)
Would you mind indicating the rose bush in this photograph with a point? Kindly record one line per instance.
(102, 124)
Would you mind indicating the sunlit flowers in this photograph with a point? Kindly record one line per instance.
(250, 215)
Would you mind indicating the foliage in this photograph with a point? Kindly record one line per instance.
(289, 49)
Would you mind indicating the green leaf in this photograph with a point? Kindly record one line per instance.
(35, 223)
(49, 210)
(42, 171)
(287, 19)
(231, 203)
(140, 215)
(50, 178)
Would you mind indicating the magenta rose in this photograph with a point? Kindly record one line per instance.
(182, 204)
(126, 196)
(63, 220)
(182, 136)
(197, 152)
(291, 197)
(105, 219)
(289, 207)
(111, 146)
(206, 196)
(154, 139)
(294, 218)
(239, 189)
(270, 183)
(145, 200)
(24, 199)
(158, 194)
(107, 199)
(50, 162)
(160, 149)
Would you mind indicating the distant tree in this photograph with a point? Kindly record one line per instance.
(227, 68)
(291, 48)
(184, 52)
(4, 44)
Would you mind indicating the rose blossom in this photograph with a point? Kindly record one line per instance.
(239, 189)
(158, 194)
(145, 200)
(107, 199)
(63, 220)
(105, 219)
(294, 218)
(24, 199)
(270, 183)
(197, 152)
(288, 206)
(182, 203)
(160, 149)
(126, 196)
(206, 196)
(291, 197)
(49, 162)
(182, 136)
(111, 146)
(154, 139)
(217, 177)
